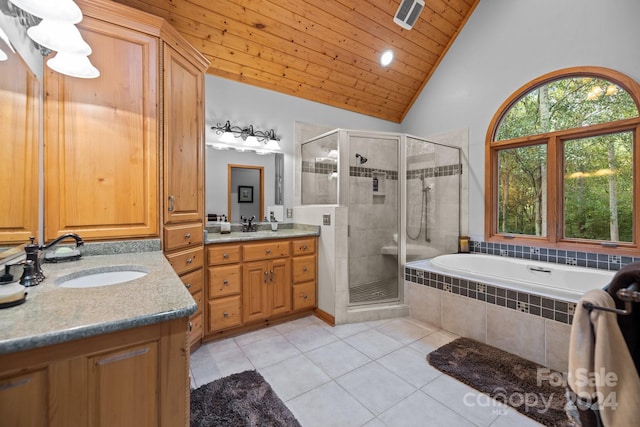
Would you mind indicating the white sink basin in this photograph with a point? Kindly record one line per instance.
(102, 276)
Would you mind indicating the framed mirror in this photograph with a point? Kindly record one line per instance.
(245, 192)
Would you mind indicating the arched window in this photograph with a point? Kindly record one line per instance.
(562, 156)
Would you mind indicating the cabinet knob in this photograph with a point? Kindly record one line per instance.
(172, 203)
(187, 285)
(304, 247)
(268, 251)
(225, 256)
(304, 297)
(190, 326)
(187, 236)
(225, 282)
(225, 314)
(304, 269)
(190, 260)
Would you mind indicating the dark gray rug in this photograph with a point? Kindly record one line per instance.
(243, 399)
(508, 378)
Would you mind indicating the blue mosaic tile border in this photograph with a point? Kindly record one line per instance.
(558, 256)
(536, 305)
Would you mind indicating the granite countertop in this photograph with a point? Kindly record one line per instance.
(285, 231)
(53, 315)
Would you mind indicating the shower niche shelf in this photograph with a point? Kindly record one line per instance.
(378, 183)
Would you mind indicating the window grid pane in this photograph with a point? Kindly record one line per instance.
(598, 187)
(522, 195)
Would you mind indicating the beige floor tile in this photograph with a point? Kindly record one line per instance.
(328, 406)
(310, 337)
(255, 336)
(294, 376)
(338, 358)
(411, 366)
(375, 387)
(348, 329)
(420, 410)
(404, 331)
(269, 351)
(433, 341)
(466, 401)
(373, 343)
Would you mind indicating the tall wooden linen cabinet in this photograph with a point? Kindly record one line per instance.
(124, 153)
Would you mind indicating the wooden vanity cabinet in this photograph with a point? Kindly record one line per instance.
(254, 282)
(124, 153)
(136, 377)
(304, 273)
(224, 284)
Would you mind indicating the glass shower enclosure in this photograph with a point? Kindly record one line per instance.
(402, 195)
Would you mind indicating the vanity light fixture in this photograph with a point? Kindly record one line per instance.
(61, 10)
(51, 26)
(260, 140)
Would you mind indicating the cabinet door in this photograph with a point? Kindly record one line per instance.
(255, 289)
(124, 387)
(23, 400)
(101, 139)
(183, 139)
(280, 286)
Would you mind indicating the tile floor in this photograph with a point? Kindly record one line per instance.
(362, 374)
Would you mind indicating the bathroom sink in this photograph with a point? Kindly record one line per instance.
(102, 276)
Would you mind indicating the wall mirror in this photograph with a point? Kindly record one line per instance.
(245, 192)
(222, 189)
(20, 104)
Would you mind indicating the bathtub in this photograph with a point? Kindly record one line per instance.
(542, 278)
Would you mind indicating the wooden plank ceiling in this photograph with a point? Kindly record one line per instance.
(321, 50)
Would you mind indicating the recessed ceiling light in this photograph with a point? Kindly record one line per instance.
(386, 57)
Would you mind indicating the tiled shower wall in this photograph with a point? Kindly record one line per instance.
(373, 215)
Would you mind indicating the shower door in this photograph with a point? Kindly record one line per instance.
(373, 201)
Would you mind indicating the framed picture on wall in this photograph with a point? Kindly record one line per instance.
(245, 194)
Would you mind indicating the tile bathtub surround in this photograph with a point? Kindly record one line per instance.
(547, 308)
(359, 374)
(558, 256)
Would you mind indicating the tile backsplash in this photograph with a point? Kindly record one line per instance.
(558, 256)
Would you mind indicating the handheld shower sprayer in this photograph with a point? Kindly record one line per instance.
(362, 158)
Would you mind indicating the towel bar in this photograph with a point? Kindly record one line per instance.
(628, 295)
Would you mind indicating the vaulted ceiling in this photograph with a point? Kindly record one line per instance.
(322, 50)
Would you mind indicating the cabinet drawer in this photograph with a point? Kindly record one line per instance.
(304, 295)
(274, 249)
(304, 246)
(186, 260)
(198, 297)
(182, 236)
(304, 268)
(223, 254)
(224, 280)
(193, 281)
(224, 313)
(196, 328)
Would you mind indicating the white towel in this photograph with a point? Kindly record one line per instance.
(600, 365)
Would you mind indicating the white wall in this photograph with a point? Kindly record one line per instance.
(243, 104)
(504, 45)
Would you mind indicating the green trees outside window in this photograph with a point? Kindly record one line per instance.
(561, 154)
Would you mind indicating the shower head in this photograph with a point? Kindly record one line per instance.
(362, 158)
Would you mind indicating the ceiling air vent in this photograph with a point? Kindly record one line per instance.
(408, 12)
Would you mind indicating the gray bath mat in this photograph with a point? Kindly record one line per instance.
(508, 378)
(243, 399)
